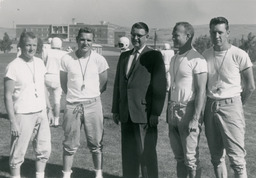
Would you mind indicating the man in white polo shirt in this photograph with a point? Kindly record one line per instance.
(229, 67)
(188, 71)
(25, 102)
(83, 79)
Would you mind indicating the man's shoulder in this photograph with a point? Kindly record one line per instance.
(38, 60)
(94, 54)
(15, 62)
(237, 51)
(195, 54)
(69, 56)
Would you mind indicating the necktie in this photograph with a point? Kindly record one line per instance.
(133, 63)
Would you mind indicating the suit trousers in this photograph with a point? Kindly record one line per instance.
(139, 150)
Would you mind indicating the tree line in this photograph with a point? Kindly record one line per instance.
(6, 44)
(201, 43)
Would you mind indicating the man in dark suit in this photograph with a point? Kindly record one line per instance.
(138, 99)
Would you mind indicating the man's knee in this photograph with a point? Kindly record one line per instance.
(69, 151)
(43, 154)
(239, 169)
(95, 149)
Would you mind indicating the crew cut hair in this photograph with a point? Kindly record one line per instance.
(24, 36)
(219, 20)
(141, 25)
(188, 27)
(85, 30)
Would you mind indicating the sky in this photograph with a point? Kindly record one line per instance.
(156, 13)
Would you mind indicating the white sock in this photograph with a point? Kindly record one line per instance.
(15, 176)
(56, 120)
(98, 173)
(39, 174)
(67, 174)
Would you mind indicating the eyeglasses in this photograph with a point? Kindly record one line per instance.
(138, 35)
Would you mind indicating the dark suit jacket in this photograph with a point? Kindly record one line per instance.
(143, 92)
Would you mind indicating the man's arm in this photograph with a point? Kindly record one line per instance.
(200, 87)
(48, 106)
(248, 82)
(103, 80)
(8, 91)
(116, 94)
(64, 81)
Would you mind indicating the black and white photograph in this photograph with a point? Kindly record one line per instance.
(127, 89)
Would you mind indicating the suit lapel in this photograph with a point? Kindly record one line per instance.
(126, 59)
(137, 64)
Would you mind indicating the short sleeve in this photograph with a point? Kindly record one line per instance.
(200, 66)
(245, 62)
(102, 64)
(63, 63)
(10, 72)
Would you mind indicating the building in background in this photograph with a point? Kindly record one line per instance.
(41, 31)
(104, 32)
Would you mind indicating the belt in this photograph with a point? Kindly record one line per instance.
(216, 103)
(180, 105)
(86, 101)
(32, 112)
(224, 100)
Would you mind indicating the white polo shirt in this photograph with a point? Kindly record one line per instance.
(182, 69)
(81, 88)
(224, 71)
(24, 95)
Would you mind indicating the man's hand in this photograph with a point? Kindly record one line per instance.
(15, 130)
(153, 121)
(116, 118)
(50, 117)
(193, 124)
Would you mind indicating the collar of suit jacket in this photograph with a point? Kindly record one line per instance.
(140, 50)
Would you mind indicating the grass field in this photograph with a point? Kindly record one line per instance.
(83, 166)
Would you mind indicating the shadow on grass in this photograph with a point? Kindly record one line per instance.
(4, 115)
(51, 171)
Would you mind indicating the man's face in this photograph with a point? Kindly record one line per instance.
(219, 34)
(84, 41)
(138, 37)
(29, 47)
(179, 36)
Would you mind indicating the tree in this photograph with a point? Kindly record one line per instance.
(202, 43)
(249, 45)
(235, 42)
(6, 43)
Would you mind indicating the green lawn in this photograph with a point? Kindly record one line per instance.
(83, 166)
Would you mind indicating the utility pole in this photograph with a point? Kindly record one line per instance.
(155, 39)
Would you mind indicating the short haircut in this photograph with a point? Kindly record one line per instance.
(25, 35)
(85, 30)
(219, 20)
(141, 25)
(188, 27)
